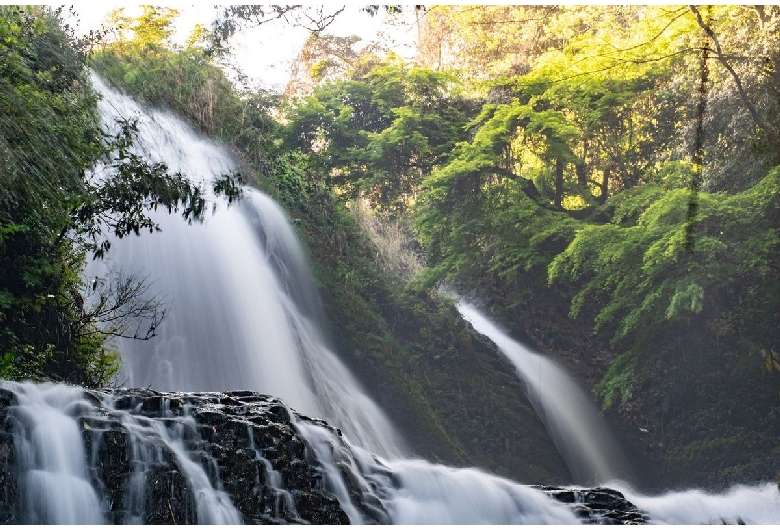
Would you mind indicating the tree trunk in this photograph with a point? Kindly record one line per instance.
(581, 167)
(605, 185)
(558, 182)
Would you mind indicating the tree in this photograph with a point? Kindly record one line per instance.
(485, 42)
(52, 214)
(639, 271)
(186, 80)
(315, 19)
(151, 29)
(379, 133)
(479, 201)
(739, 45)
(322, 58)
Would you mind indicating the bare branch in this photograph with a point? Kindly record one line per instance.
(722, 58)
(236, 17)
(124, 307)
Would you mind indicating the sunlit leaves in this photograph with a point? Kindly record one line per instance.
(152, 28)
(378, 134)
(641, 266)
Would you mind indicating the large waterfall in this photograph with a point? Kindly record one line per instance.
(244, 316)
(244, 308)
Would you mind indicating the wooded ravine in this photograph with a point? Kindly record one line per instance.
(602, 182)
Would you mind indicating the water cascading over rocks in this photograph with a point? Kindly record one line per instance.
(138, 456)
(143, 457)
(245, 313)
(215, 448)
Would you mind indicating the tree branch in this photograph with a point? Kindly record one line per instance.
(722, 58)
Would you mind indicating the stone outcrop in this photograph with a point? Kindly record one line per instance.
(250, 450)
(246, 441)
(597, 505)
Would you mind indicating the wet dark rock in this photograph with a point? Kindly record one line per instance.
(9, 489)
(245, 442)
(249, 447)
(598, 505)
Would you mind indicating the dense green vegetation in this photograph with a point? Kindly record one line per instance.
(581, 144)
(53, 214)
(594, 182)
(392, 338)
(604, 178)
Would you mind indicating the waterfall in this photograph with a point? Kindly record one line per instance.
(572, 420)
(243, 308)
(52, 463)
(418, 492)
(244, 318)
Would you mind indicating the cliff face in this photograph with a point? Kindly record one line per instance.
(139, 456)
(700, 409)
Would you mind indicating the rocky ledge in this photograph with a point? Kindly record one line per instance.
(245, 441)
(597, 505)
(141, 446)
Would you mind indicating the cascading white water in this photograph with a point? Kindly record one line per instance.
(243, 308)
(419, 492)
(62, 482)
(244, 315)
(53, 464)
(572, 420)
(759, 504)
(51, 456)
(147, 438)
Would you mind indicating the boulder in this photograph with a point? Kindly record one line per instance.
(597, 505)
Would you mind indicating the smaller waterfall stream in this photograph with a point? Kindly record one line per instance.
(575, 425)
(52, 463)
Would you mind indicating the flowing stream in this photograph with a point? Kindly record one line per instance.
(244, 314)
(570, 416)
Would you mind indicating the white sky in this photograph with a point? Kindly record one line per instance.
(265, 54)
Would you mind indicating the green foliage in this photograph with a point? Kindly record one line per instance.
(576, 170)
(51, 213)
(618, 383)
(39, 102)
(49, 136)
(101, 365)
(120, 202)
(186, 81)
(477, 204)
(379, 133)
(643, 266)
(153, 26)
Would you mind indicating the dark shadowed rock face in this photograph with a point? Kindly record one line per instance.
(9, 491)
